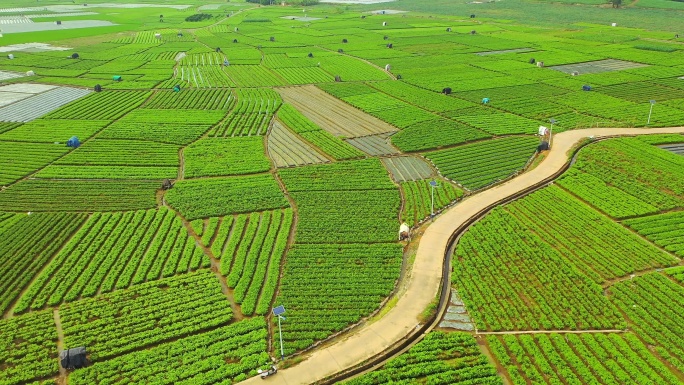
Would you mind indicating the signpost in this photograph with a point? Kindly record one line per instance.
(552, 121)
(278, 312)
(433, 184)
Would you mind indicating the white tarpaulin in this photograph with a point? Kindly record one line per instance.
(543, 130)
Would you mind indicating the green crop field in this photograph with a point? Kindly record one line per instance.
(233, 157)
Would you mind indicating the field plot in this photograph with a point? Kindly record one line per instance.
(28, 349)
(203, 198)
(286, 149)
(54, 131)
(374, 145)
(496, 160)
(651, 303)
(7, 75)
(579, 359)
(225, 156)
(250, 247)
(251, 115)
(419, 199)
(115, 251)
(674, 148)
(145, 314)
(599, 66)
(215, 99)
(609, 252)
(27, 243)
(498, 263)
(18, 160)
(435, 133)
(36, 106)
(230, 353)
(77, 195)
(665, 230)
(440, 358)
(634, 170)
(407, 168)
(106, 105)
(331, 114)
(311, 132)
(11, 97)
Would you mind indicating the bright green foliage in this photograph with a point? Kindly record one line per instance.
(251, 115)
(225, 353)
(203, 198)
(665, 230)
(609, 251)
(18, 160)
(162, 132)
(435, 133)
(26, 244)
(320, 138)
(367, 174)
(628, 172)
(479, 164)
(579, 359)
(54, 130)
(225, 156)
(78, 195)
(326, 287)
(440, 358)
(122, 321)
(418, 199)
(497, 263)
(106, 105)
(114, 251)
(429, 100)
(661, 138)
(676, 272)
(652, 304)
(216, 99)
(28, 348)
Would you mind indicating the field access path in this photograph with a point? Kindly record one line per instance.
(423, 283)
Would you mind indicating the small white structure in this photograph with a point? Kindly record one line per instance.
(30, 73)
(404, 232)
(384, 24)
(10, 56)
(575, 73)
(613, 25)
(157, 35)
(543, 131)
(388, 67)
(540, 64)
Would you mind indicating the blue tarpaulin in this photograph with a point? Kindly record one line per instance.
(73, 142)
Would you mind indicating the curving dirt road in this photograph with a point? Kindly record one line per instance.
(424, 281)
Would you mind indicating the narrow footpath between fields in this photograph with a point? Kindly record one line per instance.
(424, 281)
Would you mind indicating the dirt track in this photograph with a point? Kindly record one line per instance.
(424, 281)
(332, 114)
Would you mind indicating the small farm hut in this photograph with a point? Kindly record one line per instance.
(390, 45)
(532, 61)
(340, 50)
(58, 22)
(310, 54)
(449, 29)
(73, 142)
(30, 73)
(75, 55)
(226, 63)
(338, 78)
(272, 38)
(344, 41)
(117, 78)
(234, 40)
(385, 37)
(179, 34)
(97, 88)
(446, 91)
(157, 35)
(237, 29)
(176, 88)
(384, 23)
(485, 100)
(472, 16)
(575, 73)
(73, 358)
(473, 32)
(404, 232)
(388, 67)
(10, 56)
(218, 49)
(586, 88)
(540, 64)
(398, 76)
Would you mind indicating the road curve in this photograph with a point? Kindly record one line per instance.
(424, 282)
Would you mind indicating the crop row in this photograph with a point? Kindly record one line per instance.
(495, 160)
(498, 263)
(228, 353)
(652, 304)
(225, 156)
(203, 198)
(435, 133)
(197, 99)
(637, 169)
(200, 77)
(418, 199)
(26, 244)
(117, 152)
(18, 160)
(126, 320)
(665, 230)
(331, 145)
(106, 105)
(578, 359)
(608, 251)
(53, 130)
(440, 358)
(115, 251)
(28, 348)
(251, 115)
